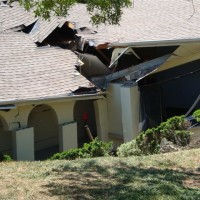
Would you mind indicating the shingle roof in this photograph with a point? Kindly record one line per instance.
(43, 28)
(15, 42)
(151, 20)
(37, 73)
(15, 16)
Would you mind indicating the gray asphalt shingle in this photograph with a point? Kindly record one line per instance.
(35, 73)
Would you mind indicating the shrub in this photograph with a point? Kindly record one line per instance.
(128, 149)
(196, 115)
(96, 148)
(6, 158)
(71, 154)
(174, 130)
(149, 141)
(182, 137)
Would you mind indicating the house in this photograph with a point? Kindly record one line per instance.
(146, 70)
(154, 59)
(41, 106)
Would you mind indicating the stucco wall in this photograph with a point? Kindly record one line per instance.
(114, 109)
(17, 119)
(123, 112)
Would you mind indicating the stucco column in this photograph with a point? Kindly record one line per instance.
(23, 144)
(130, 104)
(101, 114)
(68, 136)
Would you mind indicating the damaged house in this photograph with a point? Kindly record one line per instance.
(149, 65)
(41, 102)
(144, 70)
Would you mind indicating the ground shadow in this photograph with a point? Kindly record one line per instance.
(92, 181)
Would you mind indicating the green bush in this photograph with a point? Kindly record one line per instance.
(174, 130)
(149, 141)
(128, 149)
(71, 154)
(5, 157)
(96, 148)
(196, 115)
(182, 137)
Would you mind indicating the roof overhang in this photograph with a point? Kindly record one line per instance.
(99, 95)
(174, 42)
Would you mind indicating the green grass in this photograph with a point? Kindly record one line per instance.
(164, 176)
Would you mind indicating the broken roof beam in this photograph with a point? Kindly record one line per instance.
(136, 71)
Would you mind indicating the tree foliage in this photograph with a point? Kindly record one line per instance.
(101, 11)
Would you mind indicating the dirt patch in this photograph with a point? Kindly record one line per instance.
(167, 146)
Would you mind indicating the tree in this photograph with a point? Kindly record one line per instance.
(101, 11)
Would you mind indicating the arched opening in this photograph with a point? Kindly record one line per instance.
(84, 113)
(5, 138)
(46, 135)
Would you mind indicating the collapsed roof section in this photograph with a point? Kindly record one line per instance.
(151, 29)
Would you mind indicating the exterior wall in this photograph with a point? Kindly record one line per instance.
(64, 111)
(18, 128)
(123, 113)
(114, 109)
(101, 115)
(130, 99)
(17, 118)
(68, 136)
(23, 143)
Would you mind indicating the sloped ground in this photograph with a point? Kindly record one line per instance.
(163, 176)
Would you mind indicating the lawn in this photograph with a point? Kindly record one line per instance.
(163, 176)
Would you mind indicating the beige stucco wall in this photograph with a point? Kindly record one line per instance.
(123, 104)
(23, 144)
(102, 122)
(114, 109)
(17, 123)
(17, 120)
(130, 99)
(68, 136)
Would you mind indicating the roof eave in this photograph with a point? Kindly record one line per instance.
(155, 43)
(99, 95)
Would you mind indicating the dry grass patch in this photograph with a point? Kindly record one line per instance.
(163, 176)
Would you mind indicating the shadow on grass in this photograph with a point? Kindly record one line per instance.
(92, 181)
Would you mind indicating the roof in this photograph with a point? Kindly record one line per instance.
(151, 20)
(43, 28)
(15, 42)
(15, 16)
(38, 73)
